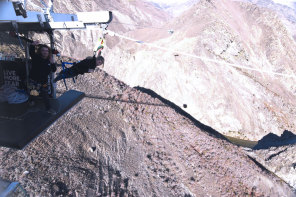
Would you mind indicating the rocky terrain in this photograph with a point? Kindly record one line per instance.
(285, 12)
(236, 102)
(175, 9)
(277, 154)
(253, 36)
(122, 141)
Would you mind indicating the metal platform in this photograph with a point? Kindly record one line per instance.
(9, 189)
(16, 131)
(48, 20)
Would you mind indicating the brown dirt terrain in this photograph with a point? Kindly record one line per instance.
(121, 141)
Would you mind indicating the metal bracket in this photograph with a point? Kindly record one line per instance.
(19, 9)
(40, 20)
(14, 25)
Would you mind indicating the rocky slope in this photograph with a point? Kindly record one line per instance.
(236, 102)
(122, 141)
(175, 9)
(286, 12)
(277, 154)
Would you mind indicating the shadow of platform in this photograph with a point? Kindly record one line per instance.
(272, 140)
(17, 132)
(8, 188)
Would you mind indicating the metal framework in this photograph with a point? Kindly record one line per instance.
(18, 132)
(13, 17)
(48, 20)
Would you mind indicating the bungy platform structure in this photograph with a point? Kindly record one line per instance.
(9, 189)
(19, 122)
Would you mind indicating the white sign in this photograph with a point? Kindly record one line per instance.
(11, 78)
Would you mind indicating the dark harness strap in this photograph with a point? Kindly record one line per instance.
(64, 73)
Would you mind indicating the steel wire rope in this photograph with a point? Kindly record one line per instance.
(111, 33)
(140, 25)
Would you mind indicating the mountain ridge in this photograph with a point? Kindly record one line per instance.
(207, 31)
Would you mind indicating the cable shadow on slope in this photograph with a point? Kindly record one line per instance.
(118, 100)
(180, 111)
(124, 101)
(167, 103)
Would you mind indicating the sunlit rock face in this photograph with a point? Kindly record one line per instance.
(234, 101)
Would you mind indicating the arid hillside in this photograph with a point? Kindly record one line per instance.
(123, 141)
(152, 121)
(237, 102)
